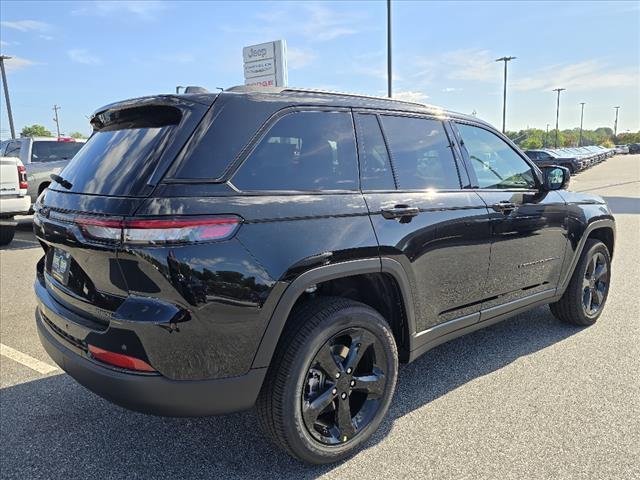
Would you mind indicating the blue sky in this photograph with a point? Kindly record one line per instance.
(81, 55)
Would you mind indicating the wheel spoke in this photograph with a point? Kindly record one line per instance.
(344, 421)
(591, 267)
(587, 297)
(311, 410)
(600, 271)
(359, 345)
(372, 384)
(599, 296)
(327, 361)
(585, 283)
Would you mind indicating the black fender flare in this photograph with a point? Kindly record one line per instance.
(325, 273)
(591, 227)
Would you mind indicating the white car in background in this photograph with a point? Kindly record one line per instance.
(621, 148)
(42, 156)
(13, 196)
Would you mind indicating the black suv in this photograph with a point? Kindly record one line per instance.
(543, 158)
(288, 248)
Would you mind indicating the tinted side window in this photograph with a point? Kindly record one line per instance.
(375, 168)
(421, 153)
(303, 151)
(496, 164)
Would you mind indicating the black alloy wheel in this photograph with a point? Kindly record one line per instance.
(584, 298)
(345, 384)
(595, 284)
(331, 380)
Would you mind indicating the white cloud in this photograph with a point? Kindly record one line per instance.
(586, 75)
(450, 89)
(26, 25)
(145, 10)
(410, 96)
(82, 55)
(17, 63)
(299, 58)
(46, 37)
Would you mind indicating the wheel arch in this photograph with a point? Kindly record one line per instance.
(602, 229)
(338, 272)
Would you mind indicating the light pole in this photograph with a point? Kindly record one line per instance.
(615, 125)
(6, 95)
(55, 109)
(581, 118)
(546, 137)
(389, 69)
(504, 95)
(558, 112)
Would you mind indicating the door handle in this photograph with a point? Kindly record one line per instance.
(504, 206)
(399, 211)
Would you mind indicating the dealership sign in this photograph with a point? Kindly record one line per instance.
(265, 65)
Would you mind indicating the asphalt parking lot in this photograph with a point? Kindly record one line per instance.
(528, 398)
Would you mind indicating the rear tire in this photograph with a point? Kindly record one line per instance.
(585, 297)
(313, 404)
(6, 234)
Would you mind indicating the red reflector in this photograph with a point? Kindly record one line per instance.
(120, 360)
(66, 139)
(22, 177)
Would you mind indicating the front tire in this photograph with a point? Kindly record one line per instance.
(586, 295)
(331, 380)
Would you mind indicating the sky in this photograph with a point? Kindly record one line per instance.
(82, 55)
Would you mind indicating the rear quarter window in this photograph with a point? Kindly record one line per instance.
(303, 151)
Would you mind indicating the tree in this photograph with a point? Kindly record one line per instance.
(77, 135)
(35, 130)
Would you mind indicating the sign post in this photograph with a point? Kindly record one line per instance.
(265, 65)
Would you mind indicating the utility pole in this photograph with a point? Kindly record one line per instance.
(6, 95)
(546, 137)
(55, 109)
(389, 69)
(504, 95)
(581, 118)
(615, 125)
(558, 112)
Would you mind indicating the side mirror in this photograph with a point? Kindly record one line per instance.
(555, 177)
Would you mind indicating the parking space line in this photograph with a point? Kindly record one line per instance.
(27, 360)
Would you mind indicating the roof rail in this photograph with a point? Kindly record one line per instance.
(252, 88)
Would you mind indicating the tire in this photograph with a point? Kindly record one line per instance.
(588, 275)
(6, 234)
(285, 403)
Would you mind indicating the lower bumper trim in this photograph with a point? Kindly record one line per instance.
(155, 394)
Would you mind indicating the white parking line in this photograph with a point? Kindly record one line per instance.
(27, 360)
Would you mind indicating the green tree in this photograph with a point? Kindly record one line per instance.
(77, 135)
(35, 130)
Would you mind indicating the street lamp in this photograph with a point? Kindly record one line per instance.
(389, 83)
(504, 95)
(6, 95)
(546, 137)
(558, 112)
(615, 125)
(581, 118)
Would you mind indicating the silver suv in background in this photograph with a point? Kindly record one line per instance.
(41, 156)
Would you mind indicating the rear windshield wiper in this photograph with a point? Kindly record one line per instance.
(65, 183)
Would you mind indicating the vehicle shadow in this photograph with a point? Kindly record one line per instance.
(624, 204)
(53, 428)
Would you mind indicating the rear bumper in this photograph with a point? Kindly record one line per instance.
(14, 206)
(152, 393)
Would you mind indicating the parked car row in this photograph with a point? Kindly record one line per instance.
(573, 158)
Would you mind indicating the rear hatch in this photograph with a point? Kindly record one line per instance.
(13, 181)
(80, 219)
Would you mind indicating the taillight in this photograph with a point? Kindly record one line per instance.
(22, 177)
(158, 231)
(119, 359)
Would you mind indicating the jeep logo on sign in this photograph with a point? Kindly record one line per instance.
(257, 52)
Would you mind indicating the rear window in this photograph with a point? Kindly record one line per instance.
(123, 152)
(44, 151)
(306, 151)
